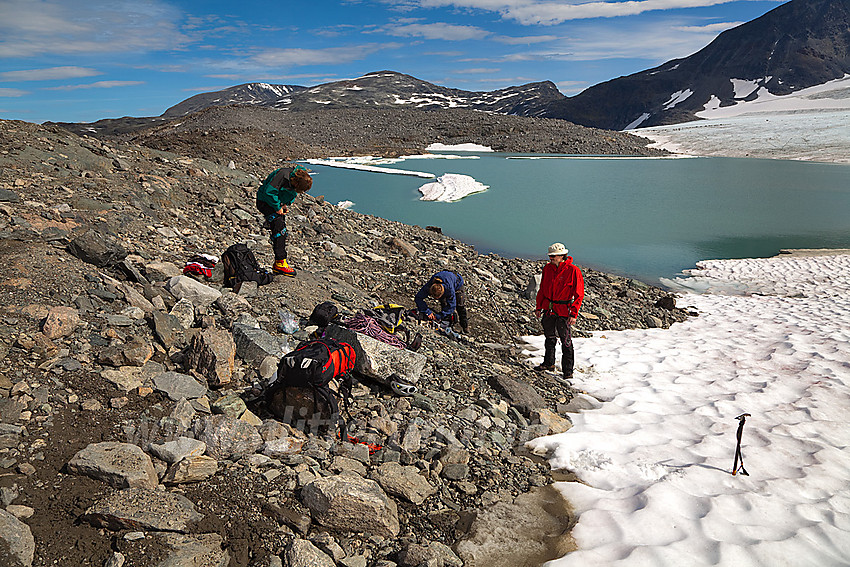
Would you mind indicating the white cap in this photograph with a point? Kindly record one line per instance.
(558, 249)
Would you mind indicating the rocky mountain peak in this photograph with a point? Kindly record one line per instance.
(796, 45)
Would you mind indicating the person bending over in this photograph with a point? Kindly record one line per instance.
(558, 301)
(274, 196)
(447, 288)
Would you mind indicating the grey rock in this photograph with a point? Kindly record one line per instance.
(168, 329)
(227, 438)
(143, 509)
(230, 405)
(125, 378)
(179, 449)
(160, 271)
(184, 310)
(183, 412)
(212, 353)
(282, 446)
(8, 196)
(404, 482)
(134, 298)
(196, 550)
(184, 287)
(414, 555)
(529, 530)
(97, 248)
(121, 465)
(191, 469)
(176, 386)
(378, 359)
(519, 394)
(302, 553)
(350, 503)
(232, 305)
(17, 546)
(254, 345)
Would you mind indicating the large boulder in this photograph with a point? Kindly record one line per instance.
(17, 546)
(97, 248)
(302, 553)
(190, 550)
(212, 353)
(143, 509)
(227, 438)
(404, 482)
(380, 360)
(184, 287)
(253, 344)
(122, 465)
(176, 386)
(350, 503)
(521, 395)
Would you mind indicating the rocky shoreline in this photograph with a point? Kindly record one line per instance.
(129, 434)
(261, 137)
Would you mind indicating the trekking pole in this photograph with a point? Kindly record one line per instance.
(738, 456)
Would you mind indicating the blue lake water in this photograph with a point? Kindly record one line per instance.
(645, 218)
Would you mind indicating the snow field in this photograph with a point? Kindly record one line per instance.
(655, 459)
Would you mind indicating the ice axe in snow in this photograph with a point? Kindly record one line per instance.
(738, 456)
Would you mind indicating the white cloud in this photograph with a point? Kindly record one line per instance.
(656, 41)
(97, 85)
(12, 93)
(438, 31)
(528, 40)
(49, 74)
(533, 12)
(710, 28)
(42, 27)
(332, 55)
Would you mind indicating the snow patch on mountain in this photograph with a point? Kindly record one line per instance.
(677, 97)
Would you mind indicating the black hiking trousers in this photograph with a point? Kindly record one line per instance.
(556, 327)
(277, 223)
(460, 308)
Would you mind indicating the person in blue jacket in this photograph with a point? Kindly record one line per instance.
(447, 288)
(274, 196)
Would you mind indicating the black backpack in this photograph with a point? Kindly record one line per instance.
(313, 364)
(240, 265)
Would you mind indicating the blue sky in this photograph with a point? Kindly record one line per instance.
(83, 60)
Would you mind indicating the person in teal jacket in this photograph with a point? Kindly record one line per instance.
(274, 196)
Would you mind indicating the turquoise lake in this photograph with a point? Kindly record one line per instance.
(644, 218)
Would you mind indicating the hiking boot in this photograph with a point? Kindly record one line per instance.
(544, 367)
(282, 267)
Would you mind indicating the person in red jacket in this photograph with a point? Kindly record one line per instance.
(558, 301)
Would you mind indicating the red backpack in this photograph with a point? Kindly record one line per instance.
(313, 364)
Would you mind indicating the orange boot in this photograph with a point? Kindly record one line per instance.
(282, 267)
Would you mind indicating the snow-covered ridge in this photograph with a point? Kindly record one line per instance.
(832, 95)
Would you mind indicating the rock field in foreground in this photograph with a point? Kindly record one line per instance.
(128, 434)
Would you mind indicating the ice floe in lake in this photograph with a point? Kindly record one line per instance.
(436, 147)
(451, 187)
(364, 167)
(345, 204)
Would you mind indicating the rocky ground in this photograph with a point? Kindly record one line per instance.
(129, 433)
(261, 137)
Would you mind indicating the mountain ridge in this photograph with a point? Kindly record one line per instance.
(796, 45)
